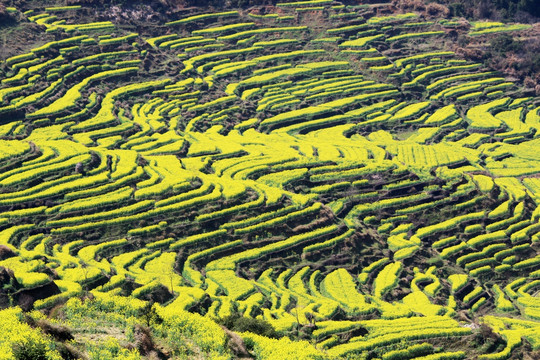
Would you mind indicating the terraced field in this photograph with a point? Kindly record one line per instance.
(334, 172)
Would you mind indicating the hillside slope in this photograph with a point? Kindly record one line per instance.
(310, 180)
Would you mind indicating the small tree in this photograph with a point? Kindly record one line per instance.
(30, 349)
(149, 314)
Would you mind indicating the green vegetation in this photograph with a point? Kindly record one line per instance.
(323, 182)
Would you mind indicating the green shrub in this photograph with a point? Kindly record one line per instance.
(236, 322)
(503, 44)
(30, 350)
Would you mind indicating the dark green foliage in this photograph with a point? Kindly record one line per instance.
(512, 6)
(536, 62)
(30, 350)
(504, 43)
(456, 9)
(236, 322)
(149, 315)
(526, 53)
(507, 9)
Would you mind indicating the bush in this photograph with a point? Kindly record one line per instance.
(30, 350)
(236, 322)
(535, 63)
(503, 44)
